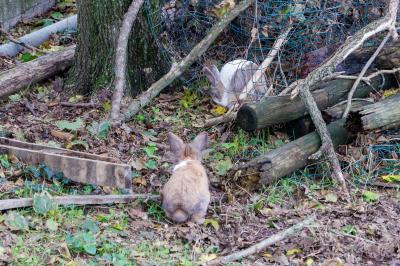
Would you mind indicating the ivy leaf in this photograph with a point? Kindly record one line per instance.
(223, 166)
(349, 229)
(52, 225)
(26, 57)
(99, 130)
(16, 221)
(15, 97)
(369, 196)
(43, 203)
(82, 242)
(151, 164)
(75, 99)
(57, 15)
(91, 226)
(71, 126)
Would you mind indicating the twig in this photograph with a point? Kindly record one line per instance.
(25, 45)
(373, 75)
(79, 105)
(76, 200)
(231, 114)
(178, 68)
(121, 58)
(264, 243)
(362, 73)
(385, 185)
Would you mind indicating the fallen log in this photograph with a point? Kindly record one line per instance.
(295, 155)
(385, 113)
(281, 109)
(17, 78)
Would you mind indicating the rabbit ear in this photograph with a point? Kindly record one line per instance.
(175, 143)
(215, 72)
(209, 74)
(200, 142)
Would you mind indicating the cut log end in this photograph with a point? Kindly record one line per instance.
(247, 118)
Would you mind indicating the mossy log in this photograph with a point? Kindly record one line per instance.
(294, 155)
(385, 114)
(281, 109)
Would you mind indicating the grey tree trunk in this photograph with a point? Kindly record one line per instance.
(99, 22)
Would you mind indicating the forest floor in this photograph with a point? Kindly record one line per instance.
(362, 230)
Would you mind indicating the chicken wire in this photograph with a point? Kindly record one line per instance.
(317, 24)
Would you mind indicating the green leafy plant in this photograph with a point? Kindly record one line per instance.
(188, 99)
(222, 167)
(15, 97)
(369, 196)
(43, 203)
(4, 161)
(349, 229)
(82, 242)
(100, 130)
(70, 126)
(151, 164)
(16, 221)
(26, 57)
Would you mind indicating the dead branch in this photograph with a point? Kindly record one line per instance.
(21, 76)
(121, 58)
(77, 200)
(25, 45)
(362, 73)
(264, 243)
(373, 75)
(231, 114)
(327, 69)
(79, 105)
(178, 68)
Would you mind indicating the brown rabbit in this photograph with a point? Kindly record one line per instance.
(186, 195)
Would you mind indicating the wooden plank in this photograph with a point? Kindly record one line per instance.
(9, 204)
(61, 151)
(77, 169)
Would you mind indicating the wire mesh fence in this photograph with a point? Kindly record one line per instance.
(319, 26)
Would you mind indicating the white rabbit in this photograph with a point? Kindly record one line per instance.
(227, 85)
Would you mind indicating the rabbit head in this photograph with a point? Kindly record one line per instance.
(186, 195)
(191, 151)
(227, 84)
(217, 88)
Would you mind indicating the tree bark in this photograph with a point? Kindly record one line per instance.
(121, 58)
(99, 22)
(281, 109)
(17, 78)
(295, 155)
(381, 114)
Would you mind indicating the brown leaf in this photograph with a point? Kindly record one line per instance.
(136, 213)
(65, 136)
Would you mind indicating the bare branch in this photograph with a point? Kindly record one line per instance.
(264, 243)
(121, 58)
(362, 73)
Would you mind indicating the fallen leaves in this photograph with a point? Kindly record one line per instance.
(64, 136)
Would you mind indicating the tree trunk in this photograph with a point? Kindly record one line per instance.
(99, 22)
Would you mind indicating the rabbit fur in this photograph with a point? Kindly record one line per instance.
(185, 197)
(227, 84)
